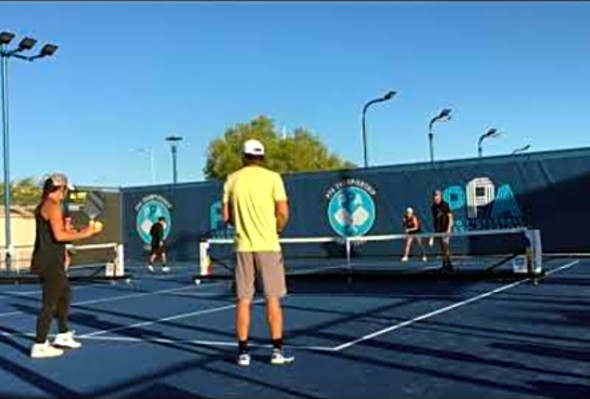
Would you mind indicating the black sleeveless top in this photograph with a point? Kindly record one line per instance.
(48, 252)
(409, 223)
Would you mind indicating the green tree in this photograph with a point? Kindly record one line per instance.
(299, 152)
(25, 192)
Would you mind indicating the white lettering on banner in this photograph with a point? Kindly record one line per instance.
(480, 192)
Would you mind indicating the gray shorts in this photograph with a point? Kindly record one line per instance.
(266, 268)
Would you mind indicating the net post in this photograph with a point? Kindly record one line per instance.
(347, 244)
(120, 263)
(537, 254)
(17, 263)
(534, 253)
(204, 260)
(348, 259)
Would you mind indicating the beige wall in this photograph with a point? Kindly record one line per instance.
(23, 234)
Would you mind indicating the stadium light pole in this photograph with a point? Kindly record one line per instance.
(522, 149)
(389, 95)
(445, 115)
(489, 134)
(174, 140)
(150, 154)
(26, 44)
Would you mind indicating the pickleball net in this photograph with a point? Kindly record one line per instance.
(502, 253)
(89, 262)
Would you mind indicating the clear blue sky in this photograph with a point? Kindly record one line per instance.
(128, 74)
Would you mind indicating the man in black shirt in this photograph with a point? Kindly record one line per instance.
(442, 219)
(158, 248)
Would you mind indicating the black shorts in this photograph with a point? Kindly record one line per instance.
(158, 250)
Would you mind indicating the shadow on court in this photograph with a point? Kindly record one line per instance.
(529, 341)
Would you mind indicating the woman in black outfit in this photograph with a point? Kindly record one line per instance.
(49, 262)
(412, 226)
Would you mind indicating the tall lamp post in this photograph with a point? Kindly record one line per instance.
(386, 97)
(489, 134)
(174, 140)
(522, 149)
(445, 115)
(25, 44)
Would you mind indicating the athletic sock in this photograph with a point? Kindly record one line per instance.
(243, 346)
(277, 344)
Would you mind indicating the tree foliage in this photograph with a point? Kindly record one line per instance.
(25, 192)
(300, 151)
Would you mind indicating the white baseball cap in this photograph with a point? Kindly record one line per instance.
(409, 210)
(253, 147)
(60, 179)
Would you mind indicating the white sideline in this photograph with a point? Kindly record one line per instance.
(199, 342)
(444, 309)
(116, 298)
(164, 319)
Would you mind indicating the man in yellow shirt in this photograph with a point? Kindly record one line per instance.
(255, 202)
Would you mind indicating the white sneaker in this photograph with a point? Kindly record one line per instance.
(244, 359)
(278, 358)
(405, 259)
(66, 340)
(151, 268)
(39, 351)
(165, 269)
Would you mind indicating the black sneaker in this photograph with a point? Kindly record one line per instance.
(446, 269)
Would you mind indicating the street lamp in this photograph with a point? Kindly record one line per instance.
(25, 44)
(445, 115)
(522, 149)
(489, 134)
(174, 140)
(150, 153)
(386, 97)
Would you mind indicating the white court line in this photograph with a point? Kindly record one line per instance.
(8, 294)
(207, 294)
(338, 348)
(444, 309)
(164, 319)
(120, 297)
(199, 342)
(8, 334)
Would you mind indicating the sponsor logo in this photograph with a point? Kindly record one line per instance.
(351, 207)
(481, 205)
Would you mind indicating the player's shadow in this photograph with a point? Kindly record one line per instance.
(553, 389)
(162, 390)
(567, 318)
(92, 321)
(379, 285)
(34, 379)
(25, 374)
(568, 283)
(7, 338)
(578, 354)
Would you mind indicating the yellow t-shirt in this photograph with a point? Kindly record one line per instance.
(252, 193)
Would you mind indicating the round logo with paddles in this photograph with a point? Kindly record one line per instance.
(351, 208)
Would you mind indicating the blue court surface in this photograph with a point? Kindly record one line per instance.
(164, 336)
